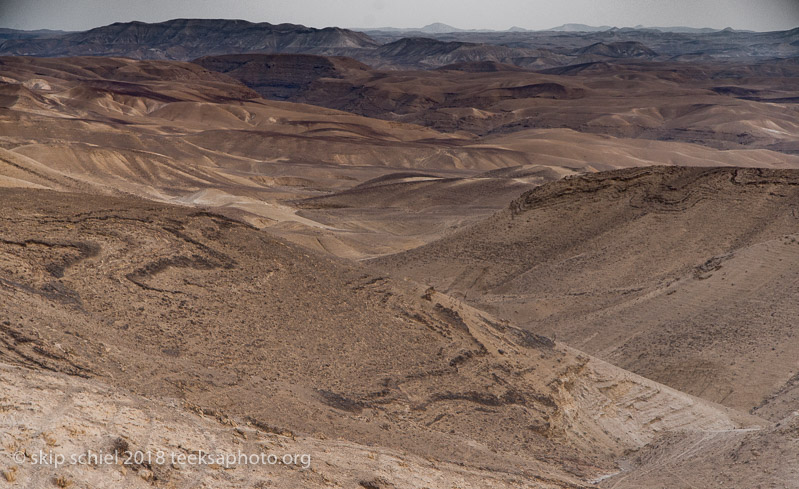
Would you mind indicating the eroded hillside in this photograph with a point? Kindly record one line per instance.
(684, 275)
(173, 303)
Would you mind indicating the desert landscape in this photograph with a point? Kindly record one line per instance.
(396, 258)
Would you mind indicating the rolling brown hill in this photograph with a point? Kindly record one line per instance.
(720, 105)
(173, 303)
(176, 132)
(171, 131)
(398, 212)
(683, 275)
(401, 211)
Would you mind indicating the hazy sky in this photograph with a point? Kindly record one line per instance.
(469, 14)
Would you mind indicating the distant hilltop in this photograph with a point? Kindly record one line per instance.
(580, 28)
(189, 38)
(441, 28)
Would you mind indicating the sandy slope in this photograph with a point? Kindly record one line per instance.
(173, 303)
(685, 276)
(68, 416)
(717, 459)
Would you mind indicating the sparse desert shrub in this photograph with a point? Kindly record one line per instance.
(62, 481)
(10, 475)
(120, 446)
(50, 439)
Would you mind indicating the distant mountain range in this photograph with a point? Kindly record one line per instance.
(580, 28)
(421, 52)
(189, 38)
(440, 28)
(434, 28)
(432, 46)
